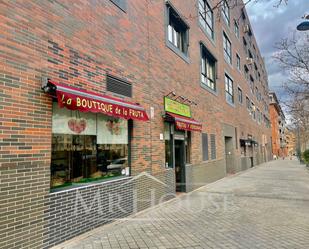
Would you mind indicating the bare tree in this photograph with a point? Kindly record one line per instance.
(293, 57)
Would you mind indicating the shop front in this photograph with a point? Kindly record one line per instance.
(178, 127)
(90, 170)
(248, 150)
(91, 136)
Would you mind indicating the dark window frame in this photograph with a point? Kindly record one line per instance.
(229, 89)
(238, 62)
(236, 29)
(208, 59)
(227, 49)
(176, 26)
(204, 20)
(240, 95)
(226, 12)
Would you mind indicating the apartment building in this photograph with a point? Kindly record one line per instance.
(278, 127)
(291, 146)
(108, 107)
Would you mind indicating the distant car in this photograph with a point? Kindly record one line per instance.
(117, 163)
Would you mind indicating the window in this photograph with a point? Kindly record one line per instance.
(206, 17)
(258, 115)
(87, 147)
(122, 4)
(248, 103)
(226, 12)
(229, 91)
(238, 62)
(213, 146)
(251, 84)
(205, 146)
(227, 49)
(168, 145)
(239, 95)
(244, 44)
(253, 110)
(208, 69)
(177, 31)
(236, 29)
(246, 70)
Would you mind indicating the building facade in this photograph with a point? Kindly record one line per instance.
(278, 127)
(290, 142)
(108, 107)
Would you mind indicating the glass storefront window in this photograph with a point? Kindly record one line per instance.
(87, 147)
(168, 145)
(188, 146)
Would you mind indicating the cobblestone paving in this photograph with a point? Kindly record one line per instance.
(264, 207)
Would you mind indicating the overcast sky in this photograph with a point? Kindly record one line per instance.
(271, 24)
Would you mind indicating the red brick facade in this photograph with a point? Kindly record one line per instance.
(78, 43)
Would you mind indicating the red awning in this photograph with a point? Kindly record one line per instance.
(184, 123)
(85, 101)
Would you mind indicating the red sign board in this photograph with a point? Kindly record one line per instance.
(84, 101)
(184, 123)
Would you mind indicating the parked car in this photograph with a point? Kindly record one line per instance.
(119, 163)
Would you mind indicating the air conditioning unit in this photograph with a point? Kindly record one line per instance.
(246, 28)
(249, 60)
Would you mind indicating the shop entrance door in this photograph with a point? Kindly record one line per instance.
(180, 165)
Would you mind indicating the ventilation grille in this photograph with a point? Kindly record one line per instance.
(213, 146)
(118, 86)
(205, 146)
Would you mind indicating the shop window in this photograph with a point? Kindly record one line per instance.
(206, 17)
(213, 146)
(208, 69)
(168, 145)
(229, 89)
(87, 147)
(188, 146)
(227, 49)
(226, 12)
(122, 4)
(205, 146)
(177, 31)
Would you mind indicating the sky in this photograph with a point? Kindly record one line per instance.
(270, 24)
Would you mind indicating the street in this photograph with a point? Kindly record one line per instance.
(264, 207)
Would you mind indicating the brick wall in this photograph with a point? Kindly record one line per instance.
(274, 119)
(78, 44)
(75, 211)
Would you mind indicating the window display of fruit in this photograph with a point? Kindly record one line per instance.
(77, 125)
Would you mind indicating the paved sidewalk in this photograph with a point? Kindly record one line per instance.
(264, 207)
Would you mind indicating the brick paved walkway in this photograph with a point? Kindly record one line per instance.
(265, 207)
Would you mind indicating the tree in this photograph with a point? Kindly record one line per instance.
(293, 57)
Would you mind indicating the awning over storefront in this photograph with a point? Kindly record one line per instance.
(184, 123)
(248, 142)
(85, 101)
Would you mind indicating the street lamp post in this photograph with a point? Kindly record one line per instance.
(304, 26)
